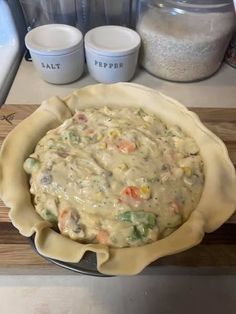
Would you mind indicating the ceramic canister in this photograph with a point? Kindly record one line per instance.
(57, 52)
(112, 53)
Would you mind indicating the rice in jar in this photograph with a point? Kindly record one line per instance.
(184, 40)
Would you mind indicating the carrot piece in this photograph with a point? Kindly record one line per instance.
(63, 217)
(126, 147)
(102, 236)
(132, 192)
(89, 131)
(81, 117)
(174, 205)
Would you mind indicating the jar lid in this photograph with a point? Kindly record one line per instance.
(54, 39)
(202, 6)
(112, 40)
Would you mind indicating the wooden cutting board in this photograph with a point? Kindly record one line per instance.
(217, 248)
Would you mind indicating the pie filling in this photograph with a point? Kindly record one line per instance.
(119, 177)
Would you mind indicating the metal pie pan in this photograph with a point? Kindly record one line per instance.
(87, 265)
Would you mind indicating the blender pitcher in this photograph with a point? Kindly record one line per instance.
(83, 14)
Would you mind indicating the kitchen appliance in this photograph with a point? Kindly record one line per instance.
(84, 14)
(12, 32)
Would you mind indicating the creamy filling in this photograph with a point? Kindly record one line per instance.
(119, 177)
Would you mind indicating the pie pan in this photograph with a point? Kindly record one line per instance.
(86, 266)
(216, 205)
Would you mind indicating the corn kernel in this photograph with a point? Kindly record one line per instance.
(99, 137)
(146, 125)
(122, 167)
(107, 110)
(145, 192)
(187, 171)
(102, 145)
(113, 133)
(98, 195)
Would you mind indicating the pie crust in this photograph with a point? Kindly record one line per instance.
(217, 203)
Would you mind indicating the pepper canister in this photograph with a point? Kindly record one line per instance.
(112, 53)
(57, 52)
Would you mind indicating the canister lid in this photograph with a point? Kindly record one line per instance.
(54, 39)
(112, 40)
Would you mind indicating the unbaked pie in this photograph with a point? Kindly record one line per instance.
(120, 170)
(119, 177)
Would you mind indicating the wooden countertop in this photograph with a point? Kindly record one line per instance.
(217, 249)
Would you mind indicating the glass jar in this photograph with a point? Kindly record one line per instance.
(184, 40)
(230, 56)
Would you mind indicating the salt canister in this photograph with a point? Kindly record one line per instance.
(112, 53)
(57, 52)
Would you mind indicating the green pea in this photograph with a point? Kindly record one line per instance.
(142, 222)
(30, 164)
(152, 180)
(139, 232)
(139, 217)
(71, 136)
(49, 216)
(51, 144)
(126, 216)
(152, 220)
(141, 113)
(136, 234)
